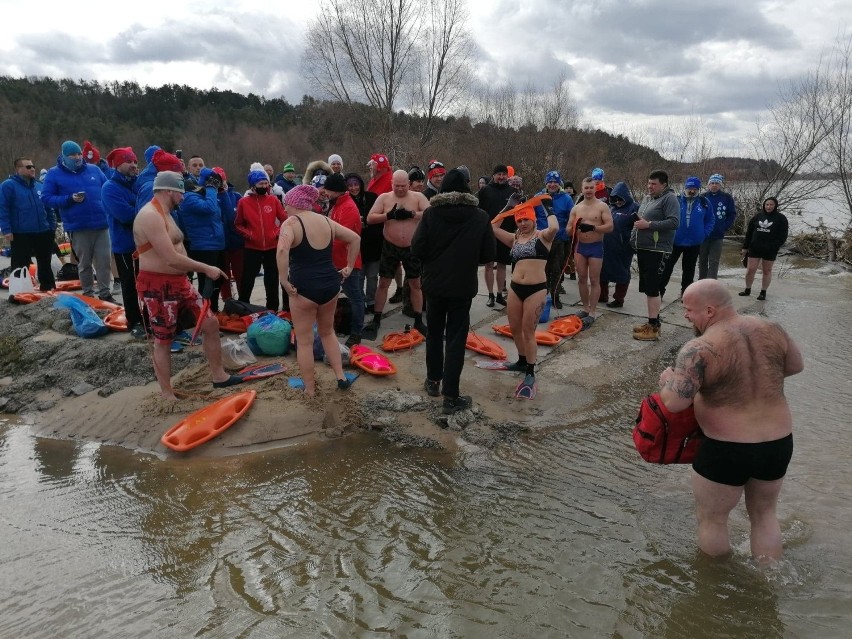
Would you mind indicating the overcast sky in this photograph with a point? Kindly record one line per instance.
(632, 65)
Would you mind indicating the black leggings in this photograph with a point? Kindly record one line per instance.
(523, 291)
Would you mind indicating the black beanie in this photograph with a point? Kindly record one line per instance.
(454, 180)
(335, 183)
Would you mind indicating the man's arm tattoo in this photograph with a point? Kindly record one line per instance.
(689, 370)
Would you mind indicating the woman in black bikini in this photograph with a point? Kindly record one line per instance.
(310, 279)
(529, 251)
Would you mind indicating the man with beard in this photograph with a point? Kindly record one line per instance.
(400, 210)
(493, 198)
(344, 211)
(733, 374)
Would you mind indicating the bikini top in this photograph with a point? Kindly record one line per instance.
(533, 249)
(147, 246)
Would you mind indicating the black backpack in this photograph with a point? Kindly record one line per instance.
(236, 307)
(68, 273)
(343, 316)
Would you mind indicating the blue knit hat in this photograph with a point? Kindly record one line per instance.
(150, 151)
(69, 147)
(553, 176)
(597, 174)
(257, 176)
(716, 179)
(692, 182)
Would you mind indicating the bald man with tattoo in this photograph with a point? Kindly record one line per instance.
(733, 374)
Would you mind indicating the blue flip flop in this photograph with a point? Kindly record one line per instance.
(176, 347)
(296, 383)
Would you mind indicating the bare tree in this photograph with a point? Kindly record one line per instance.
(359, 50)
(441, 75)
(838, 108)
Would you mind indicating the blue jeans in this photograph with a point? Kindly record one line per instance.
(353, 287)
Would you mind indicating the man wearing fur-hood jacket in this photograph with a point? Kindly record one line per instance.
(452, 240)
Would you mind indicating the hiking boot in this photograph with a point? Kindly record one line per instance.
(490, 302)
(649, 333)
(352, 340)
(615, 304)
(455, 404)
(371, 331)
(762, 295)
(745, 293)
(396, 298)
(500, 299)
(557, 303)
(640, 327)
(107, 298)
(433, 389)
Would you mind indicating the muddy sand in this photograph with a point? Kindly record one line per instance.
(103, 389)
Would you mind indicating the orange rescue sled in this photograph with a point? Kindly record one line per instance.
(29, 298)
(95, 303)
(203, 425)
(485, 346)
(116, 320)
(69, 285)
(545, 338)
(370, 361)
(566, 326)
(402, 341)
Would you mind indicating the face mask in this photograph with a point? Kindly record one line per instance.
(72, 163)
(261, 190)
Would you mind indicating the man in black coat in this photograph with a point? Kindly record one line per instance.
(452, 240)
(493, 198)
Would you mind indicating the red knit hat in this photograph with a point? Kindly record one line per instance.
(90, 154)
(381, 161)
(435, 168)
(167, 162)
(218, 170)
(119, 156)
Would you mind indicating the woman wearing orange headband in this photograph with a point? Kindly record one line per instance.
(528, 289)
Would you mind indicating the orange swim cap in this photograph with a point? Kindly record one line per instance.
(525, 213)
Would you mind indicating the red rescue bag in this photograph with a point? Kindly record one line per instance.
(663, 437)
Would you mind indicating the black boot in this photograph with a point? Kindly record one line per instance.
(745, 293)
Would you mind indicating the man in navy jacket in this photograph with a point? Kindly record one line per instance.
(725, 212)
(25, 222)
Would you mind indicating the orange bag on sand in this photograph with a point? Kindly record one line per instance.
(402, 341)
(663, 437)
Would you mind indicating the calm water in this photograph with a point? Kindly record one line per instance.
(564, 535)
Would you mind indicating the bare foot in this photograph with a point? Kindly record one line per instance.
(169, 395)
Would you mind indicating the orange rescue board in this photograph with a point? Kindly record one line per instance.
(480, 344)
(203, 425)
(94, 302)
(116, 320)
(566, 326)
(402, 341)
(545, 338)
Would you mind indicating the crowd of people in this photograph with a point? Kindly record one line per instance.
(327, 231)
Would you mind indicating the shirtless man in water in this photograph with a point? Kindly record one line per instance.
(401, 211)
(593, 220)
(164, 289)
(733, 373)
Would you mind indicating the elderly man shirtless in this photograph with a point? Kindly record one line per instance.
(164, 289)
(593, 219)
(401, 211)
(733, 373)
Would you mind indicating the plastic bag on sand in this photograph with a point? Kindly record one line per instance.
(86, 322)
(236, 354)
(320, 354)
(269, 335)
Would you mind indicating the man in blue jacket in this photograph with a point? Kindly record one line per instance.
(119, 196)
(25, 223)
(725, 212)
(74, 188)
(562, 204)
(696, 224)
(202, 223)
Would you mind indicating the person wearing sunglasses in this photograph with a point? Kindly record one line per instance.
(25, 223)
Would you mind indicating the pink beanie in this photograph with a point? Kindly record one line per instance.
(302, 197)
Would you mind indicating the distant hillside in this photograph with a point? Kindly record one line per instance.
(232, 130)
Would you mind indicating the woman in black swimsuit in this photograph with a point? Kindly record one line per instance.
(529, 251)
(310, 279)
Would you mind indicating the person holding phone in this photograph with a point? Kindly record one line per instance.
(73, 187)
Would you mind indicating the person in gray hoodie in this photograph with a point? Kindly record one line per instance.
(652, 238)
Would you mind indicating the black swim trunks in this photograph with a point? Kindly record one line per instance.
(734, 463)
(393, 256)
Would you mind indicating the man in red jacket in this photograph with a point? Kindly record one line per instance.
(345, 212)
(259, 218)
